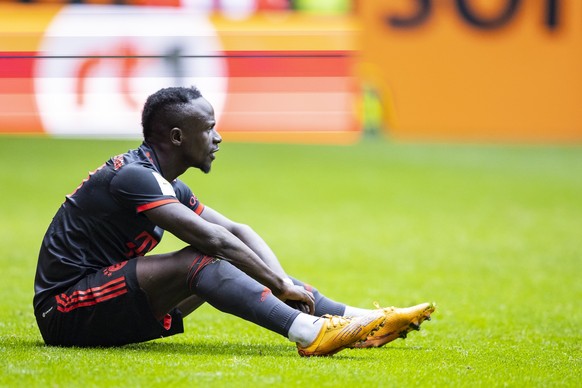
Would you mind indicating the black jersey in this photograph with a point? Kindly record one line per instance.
(101, 222)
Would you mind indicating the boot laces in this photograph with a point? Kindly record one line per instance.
(336, 320)
(386, 309)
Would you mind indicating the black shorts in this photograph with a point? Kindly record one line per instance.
(107, 308)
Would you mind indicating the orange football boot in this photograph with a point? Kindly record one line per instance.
(398, 322)
(338, 333)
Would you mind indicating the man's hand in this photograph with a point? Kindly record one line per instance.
(298, 298)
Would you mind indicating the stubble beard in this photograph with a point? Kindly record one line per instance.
(205, 168)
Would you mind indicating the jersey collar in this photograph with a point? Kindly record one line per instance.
(150, 153)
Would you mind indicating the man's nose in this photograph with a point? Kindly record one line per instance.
(217, 138)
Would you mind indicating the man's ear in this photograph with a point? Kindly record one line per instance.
(176, 136)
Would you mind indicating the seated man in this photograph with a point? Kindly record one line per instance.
(94, 285)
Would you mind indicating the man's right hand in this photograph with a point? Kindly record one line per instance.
(298, 298)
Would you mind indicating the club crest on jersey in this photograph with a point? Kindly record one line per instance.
(142, 244)
(118, 162)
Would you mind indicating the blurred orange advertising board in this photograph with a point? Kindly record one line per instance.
(290, 77)
(475, 70)
(85, 70)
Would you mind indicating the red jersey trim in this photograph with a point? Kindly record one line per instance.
(199, 209)
(155, 204)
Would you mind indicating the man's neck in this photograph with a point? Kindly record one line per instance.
(168, 167)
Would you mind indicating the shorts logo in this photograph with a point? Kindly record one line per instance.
(48, 311)
(115, 267)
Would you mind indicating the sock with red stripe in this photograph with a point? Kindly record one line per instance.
(232, 291)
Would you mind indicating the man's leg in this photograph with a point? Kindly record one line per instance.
(230, 290)
(157, 275)
(398, 322)
(172, 278)
(323, 304)
(190, 304)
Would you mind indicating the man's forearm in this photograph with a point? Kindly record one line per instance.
(256, 243)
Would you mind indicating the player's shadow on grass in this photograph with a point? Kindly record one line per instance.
(241, 349)
(226, 348)
(191, 349)
(202, 349)
(215, 348)
(275, 350)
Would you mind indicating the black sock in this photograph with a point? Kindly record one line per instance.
(232, 291)
(323, 305)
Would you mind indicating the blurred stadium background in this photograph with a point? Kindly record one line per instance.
(327, 71)
(440, 200)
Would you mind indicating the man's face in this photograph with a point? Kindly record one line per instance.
(200, 138)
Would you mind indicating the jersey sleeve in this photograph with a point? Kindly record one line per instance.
(141, 188)
(185, 195)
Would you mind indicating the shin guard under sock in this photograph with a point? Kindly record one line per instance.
(232, 291)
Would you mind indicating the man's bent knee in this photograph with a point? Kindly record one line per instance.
(167, 266)
(168, 279)
(198, 263)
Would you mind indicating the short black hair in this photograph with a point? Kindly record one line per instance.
(164, 105)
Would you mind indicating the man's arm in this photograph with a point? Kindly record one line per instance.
(215, 240)
(249, 237)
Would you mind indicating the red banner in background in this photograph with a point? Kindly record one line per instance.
(277, 78)
(18, 110)
(445, 70)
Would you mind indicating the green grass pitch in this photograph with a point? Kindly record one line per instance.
(493, 234)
